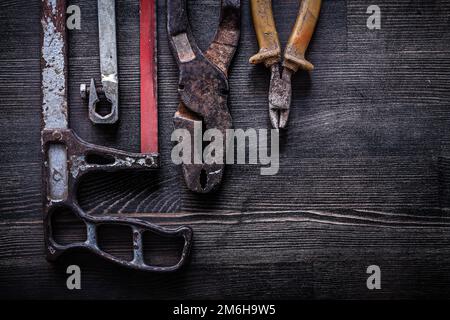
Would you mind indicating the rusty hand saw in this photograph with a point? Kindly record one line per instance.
(67, 158)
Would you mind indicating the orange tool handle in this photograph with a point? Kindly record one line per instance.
(266, 33)
(294, 57)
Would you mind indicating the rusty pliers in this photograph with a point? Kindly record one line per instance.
(203, 83)
(294, 56)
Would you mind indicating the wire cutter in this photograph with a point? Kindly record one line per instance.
(280, 91)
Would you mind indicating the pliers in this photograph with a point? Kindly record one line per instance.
(294, 56)
(203, 83)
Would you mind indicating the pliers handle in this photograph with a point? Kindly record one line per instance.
(294, 55)
(267, 35)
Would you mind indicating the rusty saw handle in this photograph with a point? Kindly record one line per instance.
(84, 158)
(266, 33)
(138, 229)
(294, 56)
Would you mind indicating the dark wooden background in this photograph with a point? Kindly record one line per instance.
(364, 176)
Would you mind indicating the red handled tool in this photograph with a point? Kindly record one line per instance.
(149, 89)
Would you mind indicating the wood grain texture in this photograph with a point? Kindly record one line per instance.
(364, 167)
(240, 256)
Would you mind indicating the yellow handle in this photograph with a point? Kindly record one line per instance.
(266, 33)
(294, 57)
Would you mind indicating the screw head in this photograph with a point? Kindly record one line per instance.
(57, 135)
(83, 91)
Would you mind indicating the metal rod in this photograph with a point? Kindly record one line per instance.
(149, 91)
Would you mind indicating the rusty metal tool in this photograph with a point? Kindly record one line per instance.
(294, 56)
(203, 83)
(108, 92)
(67, 159)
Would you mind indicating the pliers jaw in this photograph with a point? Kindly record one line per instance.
(199, 178)
(203, 94)
(280, 94)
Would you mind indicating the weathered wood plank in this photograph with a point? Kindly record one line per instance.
(420, 26)
(368, 132)
(248, 259)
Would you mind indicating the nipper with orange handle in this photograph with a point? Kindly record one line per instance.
(294, 55)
